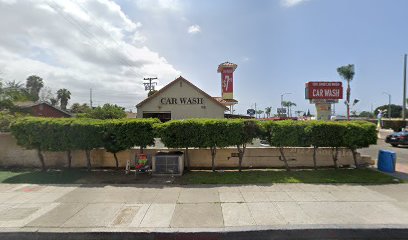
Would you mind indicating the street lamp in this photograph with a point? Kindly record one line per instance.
(389, 104)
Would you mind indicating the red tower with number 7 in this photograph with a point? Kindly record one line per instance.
(227, 79)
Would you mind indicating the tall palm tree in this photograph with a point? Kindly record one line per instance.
(259, 112)
(63, 95)
(290, 105)
(34, 84)
(268, 111)
(347, 72)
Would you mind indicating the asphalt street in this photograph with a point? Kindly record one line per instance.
(402, 151)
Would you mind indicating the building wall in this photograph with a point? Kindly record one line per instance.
(209, 109)
(12, 155)
(43, 110)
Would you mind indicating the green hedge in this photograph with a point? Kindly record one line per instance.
(287, 133)
(48, 134)
(208, 133)
(66, 134)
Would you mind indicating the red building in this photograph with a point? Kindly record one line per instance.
(43, 109)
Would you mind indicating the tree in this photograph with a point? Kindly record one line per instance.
(359, 134)
(107, 111)
(268, 111)
(287, 133)
(366, 114)
(15, 92)
(181, 134)
(34, 84)
(78, 108)
(86, 134)
(290, 105)
(396, 110)
(11, 92)
(29, 134)
(327, 134)
(63, 95)
(308, 113)
(248, 130)
(347, 73)
(259, 112)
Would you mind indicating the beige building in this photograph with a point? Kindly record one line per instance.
(180, 99)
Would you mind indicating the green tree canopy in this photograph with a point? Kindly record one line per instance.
(63, 95)
(34, 84)
(396, 110)
(366, 114)
(80, 108)
(107, 111)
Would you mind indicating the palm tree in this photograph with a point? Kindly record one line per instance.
(347, 72)
(268, 111)
(290, 105)
(34, 84)
(259, 112)
(63, 95)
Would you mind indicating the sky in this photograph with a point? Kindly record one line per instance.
(110, 46)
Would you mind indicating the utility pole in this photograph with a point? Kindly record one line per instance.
(149, 86)
(90, 97)
(404, 95)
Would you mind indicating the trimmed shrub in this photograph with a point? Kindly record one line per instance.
(86, 134)
(327, 134)
(211, 133)
(359, 134)
(287, 133)
(248, 130)
(181, 134)
(29, 134)
(123, 134)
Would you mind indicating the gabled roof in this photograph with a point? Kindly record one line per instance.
(23, 105)
(173, 83)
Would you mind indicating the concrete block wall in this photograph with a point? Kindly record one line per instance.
(12, 155)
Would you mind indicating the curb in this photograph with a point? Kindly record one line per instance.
(305, 234)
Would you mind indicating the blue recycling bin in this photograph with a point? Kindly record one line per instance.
(386, 161)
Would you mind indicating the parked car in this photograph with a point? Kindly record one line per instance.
(399, 138)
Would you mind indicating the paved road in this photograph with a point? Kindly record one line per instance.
(402, 152)
(30, 208)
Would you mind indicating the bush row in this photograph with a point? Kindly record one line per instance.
(62, 134)
(45, 134)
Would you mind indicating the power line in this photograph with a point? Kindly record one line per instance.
(91, 36)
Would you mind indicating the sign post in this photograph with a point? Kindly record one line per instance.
(323, 95)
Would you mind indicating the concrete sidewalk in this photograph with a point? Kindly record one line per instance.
(47, 211)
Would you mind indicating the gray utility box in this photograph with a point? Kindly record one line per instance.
(168, 163)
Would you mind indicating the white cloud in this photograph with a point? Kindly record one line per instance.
(291, 3)
(78, 45)
(159, 5)
(193, 29)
